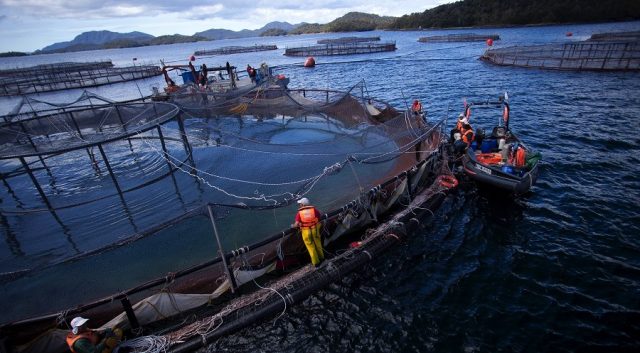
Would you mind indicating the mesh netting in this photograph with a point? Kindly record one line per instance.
(341, 48)
(80, 127)
(459, 37)
(590, 55)
(246, 156)
(45, 78)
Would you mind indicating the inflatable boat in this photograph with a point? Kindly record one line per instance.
(500, 159)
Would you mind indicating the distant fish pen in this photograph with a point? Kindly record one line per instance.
(341, 49)
(236, 49)
(54, 77)
(361, 160)
(63, 67)
(464, 37)
(593, 56)
(343, 40)
(633, 36)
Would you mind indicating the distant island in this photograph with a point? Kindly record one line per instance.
(467, 13)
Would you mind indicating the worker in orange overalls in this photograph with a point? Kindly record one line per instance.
(308, 219)
(416, 107)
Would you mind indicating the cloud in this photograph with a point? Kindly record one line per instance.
(204, 9)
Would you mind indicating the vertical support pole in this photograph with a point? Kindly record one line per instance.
(35, 182)
(106, 163)
(24, 130)
(131, 315)
(224, 258)
(91, 155)
(187, 146)
(124, 126)
(164, 149)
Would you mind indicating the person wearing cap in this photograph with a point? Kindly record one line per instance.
(81, 339)
(308, 219)
(458, 129)
(466, 137)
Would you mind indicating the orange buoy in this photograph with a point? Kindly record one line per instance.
(569, 34)
(310, 62)
(448, 181)
(489, 42)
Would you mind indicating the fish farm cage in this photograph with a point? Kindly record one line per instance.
(61, 76)
(633, 36)
(30, 107)
(348, 48)
(592, 56)
(236, 49)
(464, 37)
(98, 182)
(343, 40)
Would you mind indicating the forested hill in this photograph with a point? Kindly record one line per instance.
(520, 12)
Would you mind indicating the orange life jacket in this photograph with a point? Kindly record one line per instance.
(520, 157)
(416, 107)
(308, 216)
(467, 136)
(90, 335)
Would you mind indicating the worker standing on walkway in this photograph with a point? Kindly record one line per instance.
(308, 219)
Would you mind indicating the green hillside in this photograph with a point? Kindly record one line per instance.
(469, 13)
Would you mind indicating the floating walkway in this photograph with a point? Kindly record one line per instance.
(349, 48)
(464, 37)
(343, 40)
(236, 49)
(54, 77)
(590, 55)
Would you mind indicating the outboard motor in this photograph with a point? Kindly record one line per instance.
(498, 132)
(480, 134)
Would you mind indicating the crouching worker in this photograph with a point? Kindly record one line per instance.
(81, 339)
(308, 219)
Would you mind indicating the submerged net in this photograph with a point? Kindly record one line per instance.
(239, 160)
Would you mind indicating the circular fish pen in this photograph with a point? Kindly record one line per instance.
(210, 177)
(346, 48)
(236, 49)
(54, 77)
(588, 55)
(462, 37)
(343, 40)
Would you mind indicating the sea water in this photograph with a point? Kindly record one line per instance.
(557, 270)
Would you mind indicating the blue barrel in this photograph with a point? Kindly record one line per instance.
(188, 77)
(507, 169)
(488, 146)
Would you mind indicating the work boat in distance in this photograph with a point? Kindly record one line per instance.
(500, 160)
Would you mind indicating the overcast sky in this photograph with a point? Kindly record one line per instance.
(27, 25)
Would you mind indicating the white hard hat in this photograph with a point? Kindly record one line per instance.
(77, 322)
(460, 116)
(303, 201)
